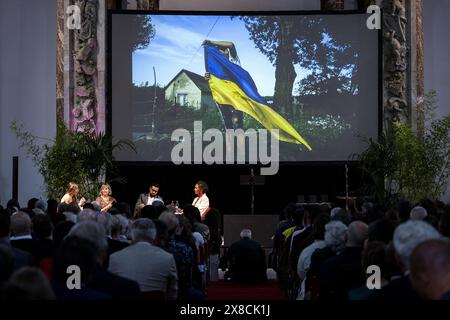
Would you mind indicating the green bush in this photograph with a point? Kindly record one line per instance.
(401, 165)
(84, 158)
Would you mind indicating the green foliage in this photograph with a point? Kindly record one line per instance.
(401, 165)
(73, 156)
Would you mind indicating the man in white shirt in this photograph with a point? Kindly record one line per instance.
(146, 199)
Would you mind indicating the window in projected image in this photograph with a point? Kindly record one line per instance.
(312, 77)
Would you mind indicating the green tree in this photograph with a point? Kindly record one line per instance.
(144, 31)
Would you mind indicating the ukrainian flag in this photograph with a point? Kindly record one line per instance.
(232, 85)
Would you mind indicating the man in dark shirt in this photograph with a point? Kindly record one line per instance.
(246, 259)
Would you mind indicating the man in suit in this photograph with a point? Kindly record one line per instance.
(146, 199)
(150, 266)
(21, 258)
(102, 280)
(246, 259)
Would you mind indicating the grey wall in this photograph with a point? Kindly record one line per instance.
(27, 86)
(437, 51)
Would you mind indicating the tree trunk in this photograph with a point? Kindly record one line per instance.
(284, 71)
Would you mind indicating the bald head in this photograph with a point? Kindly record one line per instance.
(430, 268)
(418, 213)
(356, 234)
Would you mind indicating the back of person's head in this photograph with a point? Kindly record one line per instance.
(29, 283)
(60, 231)
(335, 235)
(31, 203)
(20, 224)
(41, 204)
(124, 208)
(148, 212)
(170, 220)
(6, 262)
(418, 213)
(430, 265)
(162, 233)
(143, 229)
(91, 206)
(381, 230)
(70, 216)
(12, 205)
(104, 219)
(444, 222)
(356, 234)
(52, 206)
(212, 218)
(116, 226)
(86, 214)
(159, 207)
(68, 207)
(246, 233)
(340, 214)
(311, 212)
(5, 223)
(42, 226)
(288, 211)
(94, 232)
(298, 215)
(191, 213)
(75, 251)
(409, 235)
(319, 226)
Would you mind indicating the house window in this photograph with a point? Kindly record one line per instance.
(182, 99)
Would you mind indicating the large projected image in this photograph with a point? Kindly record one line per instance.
(314, 78)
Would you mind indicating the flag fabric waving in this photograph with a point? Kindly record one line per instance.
(232, 85)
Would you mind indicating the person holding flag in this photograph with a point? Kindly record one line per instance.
(233, 87)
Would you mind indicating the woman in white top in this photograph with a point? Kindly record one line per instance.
(201, 201)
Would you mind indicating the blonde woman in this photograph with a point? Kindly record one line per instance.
(104, 199)
(71, 195)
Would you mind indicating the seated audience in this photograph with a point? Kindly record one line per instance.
(343, 272)
(407, 237)
(21, 237)
(102, 280)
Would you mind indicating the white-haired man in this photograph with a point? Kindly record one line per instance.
(118, 287)
(430, 266)
(246, 260)
(418, 213)
(343, 272)
(407, 236)
(150, 266)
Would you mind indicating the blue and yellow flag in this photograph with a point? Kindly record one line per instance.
(232, 85)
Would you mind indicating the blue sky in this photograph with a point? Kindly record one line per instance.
(177, 43)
